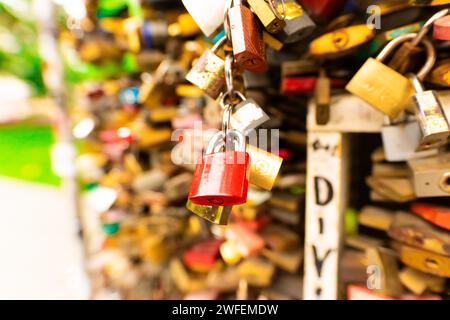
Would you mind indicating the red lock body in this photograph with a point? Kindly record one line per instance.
(322, 9)
(441, 30)
(203, 256)
(221, 179)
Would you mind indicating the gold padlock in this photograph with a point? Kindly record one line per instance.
(264, 167)
(208, 73)
(384, 88)
(268, 15)
(215, 214)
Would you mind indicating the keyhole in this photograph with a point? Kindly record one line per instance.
(340, 40)
(444, 184)
(432, 263)
(216, 202)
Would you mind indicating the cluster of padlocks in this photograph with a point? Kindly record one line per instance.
(193, 131)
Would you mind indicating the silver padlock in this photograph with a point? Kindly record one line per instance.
(298, 24)
(209, 15)
(247, 115)
(431, 117)
(401, 139)
(431, 176)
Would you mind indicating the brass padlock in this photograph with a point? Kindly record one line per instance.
(264, 167)
(215, 214)
(269, 17)
(424, 261)
(208, 73)
(431, 117)
(384, 88)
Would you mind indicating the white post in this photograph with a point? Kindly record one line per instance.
(326, 201)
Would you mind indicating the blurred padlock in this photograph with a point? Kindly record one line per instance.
(431, 117)
(208, 73)
(298, 24)
(431, 176)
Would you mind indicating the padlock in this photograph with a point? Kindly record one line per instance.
(154, 33)
(374, 81)
(272, 42)
(322, 96)
(401, 139)
(431, 176)
(386, 260)
(214, 214)
(207, 14)
(257, 271)
(269, 17)
(341, 41)
(421, 3)
(441, 30)
(438, 215)
(412, 230)
(221, 178)
(298, 24)
(424, 261)
(208, 73)
(264, 167)
(324, 9)
(246, 37)
(440, 75)
(431, 117)
(247, 114)
(419, 282)
(202, 256)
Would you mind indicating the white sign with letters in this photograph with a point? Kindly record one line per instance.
(326, 200)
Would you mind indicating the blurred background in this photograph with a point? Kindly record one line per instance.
(93, 207)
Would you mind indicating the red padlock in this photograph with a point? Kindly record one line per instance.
(322, 9)
(441, 30)
(439, 215)
(203, 256)
(221, 178)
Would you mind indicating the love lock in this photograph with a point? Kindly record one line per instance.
(221, 178)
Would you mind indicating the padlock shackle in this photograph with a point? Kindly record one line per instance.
(227, 118)
(223, 104)
(428, 25)
(431, 52)
(389, 48)
(218, 140)
(429, 63)
(229, 60)
(417, 85)
(218, 44)
(232, 136)
(227, 140)
(274, 8)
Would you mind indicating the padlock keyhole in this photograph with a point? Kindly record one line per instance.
(445, 183)
(432, 263)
